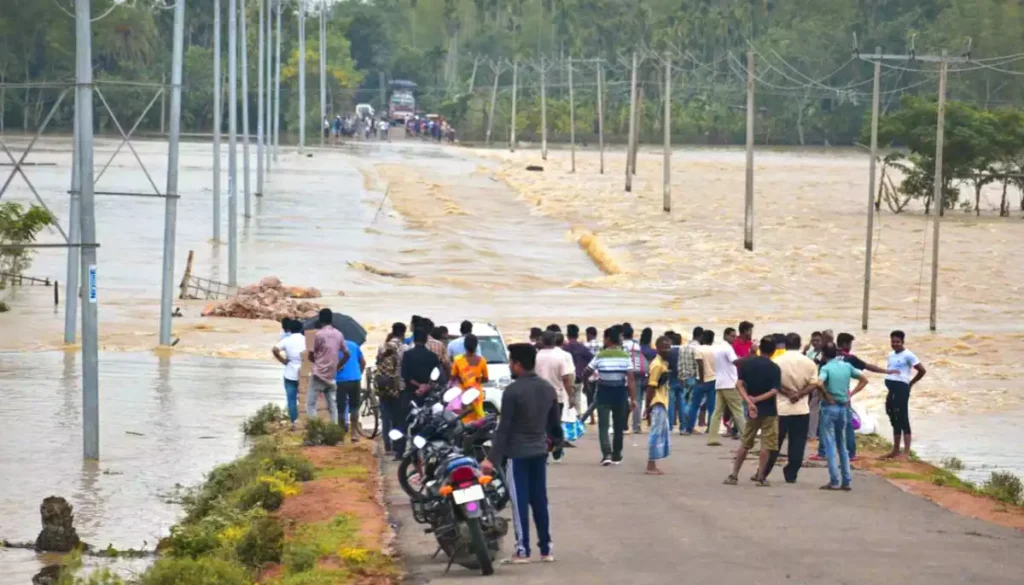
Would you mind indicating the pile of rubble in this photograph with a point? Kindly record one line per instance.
(267, 300)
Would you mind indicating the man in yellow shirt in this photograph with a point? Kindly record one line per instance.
(657, 406)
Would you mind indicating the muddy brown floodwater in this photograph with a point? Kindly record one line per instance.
(472, 234)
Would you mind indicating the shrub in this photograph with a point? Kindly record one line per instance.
(299, 558)
(263, 421)
(206, 571)
(191, 540)
(1006, 487)
(953, 463)
(319, 432)
(317, 577)
(262, 543)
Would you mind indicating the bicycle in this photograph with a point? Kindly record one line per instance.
(369, 409)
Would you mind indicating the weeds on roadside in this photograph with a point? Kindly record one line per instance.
(1005, 487)
(319, 432)
(263, 421)
(952, 463)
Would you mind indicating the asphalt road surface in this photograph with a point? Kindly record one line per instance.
(617, 525)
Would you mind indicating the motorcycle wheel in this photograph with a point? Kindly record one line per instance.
(406, 471)
(479, 546)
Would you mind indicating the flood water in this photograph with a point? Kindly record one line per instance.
(471, 234)
(163, 423)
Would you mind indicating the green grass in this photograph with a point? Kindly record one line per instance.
(318, 577)
(873, 443)
(314, 541)
(264, 421)
(349, 472)
(906, 475)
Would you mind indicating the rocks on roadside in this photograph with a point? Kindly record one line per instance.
(268, 299)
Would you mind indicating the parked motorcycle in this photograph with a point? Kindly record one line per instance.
(457, 501)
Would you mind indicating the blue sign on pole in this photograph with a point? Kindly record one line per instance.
(92, 283)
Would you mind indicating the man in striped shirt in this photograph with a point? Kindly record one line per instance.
(616, 394)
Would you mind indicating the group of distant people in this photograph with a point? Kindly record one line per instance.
(368, 127)
(437, 129)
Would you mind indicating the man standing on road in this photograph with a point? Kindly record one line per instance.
(689, 375)
(759, 381)
(388, 384)
(529, 414)
(640, 366)
(594, 345)
(799, 380)
(329, 354)
(897, 400)
(289, 352)
(615, 396)
(725, 359)
(555, 366)
(349, 380)
(457, 346)
(676, 391)
(417, 365)
(705, 388)
(581, 357)
(743, 344)
(835, 377)
(657, 404)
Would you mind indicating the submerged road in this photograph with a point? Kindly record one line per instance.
(617, 525)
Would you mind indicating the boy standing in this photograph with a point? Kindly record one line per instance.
(657, 406)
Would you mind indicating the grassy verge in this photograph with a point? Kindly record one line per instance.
(1002, 487)
(264, 518)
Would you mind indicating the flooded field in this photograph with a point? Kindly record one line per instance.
(471, 233)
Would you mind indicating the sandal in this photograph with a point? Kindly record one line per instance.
(731, 480)
(829, 487)
(762, 483)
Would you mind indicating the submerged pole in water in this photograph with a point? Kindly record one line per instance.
(259, 103)
(600, 112)
(748, 223)
(543, 113)
(90, 335)
(871, 192)
(243, 48)
(515, 79)
(940, 134)
(72, 295)
(494, 102)
(572, 121)
(666, 195)
(171, 201)
(302, 78)
(218, 104)
(632, 128)
(277, 83)
(232, 143)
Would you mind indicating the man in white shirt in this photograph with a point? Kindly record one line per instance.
(897, 400)
(289, 351)
(726, 396)
(799, 381)
(555, 365)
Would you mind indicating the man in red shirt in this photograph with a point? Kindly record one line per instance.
(744, 343)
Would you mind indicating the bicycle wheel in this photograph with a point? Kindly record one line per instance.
(369, 415)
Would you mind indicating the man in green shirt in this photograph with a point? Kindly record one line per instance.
(834, 378)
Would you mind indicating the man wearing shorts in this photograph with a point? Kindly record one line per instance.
(897, 400)
(759, 382)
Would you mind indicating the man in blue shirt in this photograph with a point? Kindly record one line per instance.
(349, 379)
(834, 378)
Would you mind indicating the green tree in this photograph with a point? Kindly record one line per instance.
(18, 227)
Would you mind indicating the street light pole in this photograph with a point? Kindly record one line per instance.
(171, 194)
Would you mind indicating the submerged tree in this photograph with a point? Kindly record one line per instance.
(18, 227)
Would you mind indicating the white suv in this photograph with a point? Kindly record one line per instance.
(492, 348)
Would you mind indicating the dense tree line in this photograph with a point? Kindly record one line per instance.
(811, 88)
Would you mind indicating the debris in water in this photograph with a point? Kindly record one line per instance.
(374, 270)
(534, 168)
(267, 300)
(596, 250)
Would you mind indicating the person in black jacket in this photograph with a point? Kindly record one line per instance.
(529, 415)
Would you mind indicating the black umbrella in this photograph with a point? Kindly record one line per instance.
(348, 326)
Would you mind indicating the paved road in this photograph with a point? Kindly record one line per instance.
(616, 525)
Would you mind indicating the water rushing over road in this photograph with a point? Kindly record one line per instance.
(471, 234)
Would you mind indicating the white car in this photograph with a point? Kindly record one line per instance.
(493, 349)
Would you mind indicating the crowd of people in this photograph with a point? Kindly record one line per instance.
(436, 129)
(366, 127)
(776, 389)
